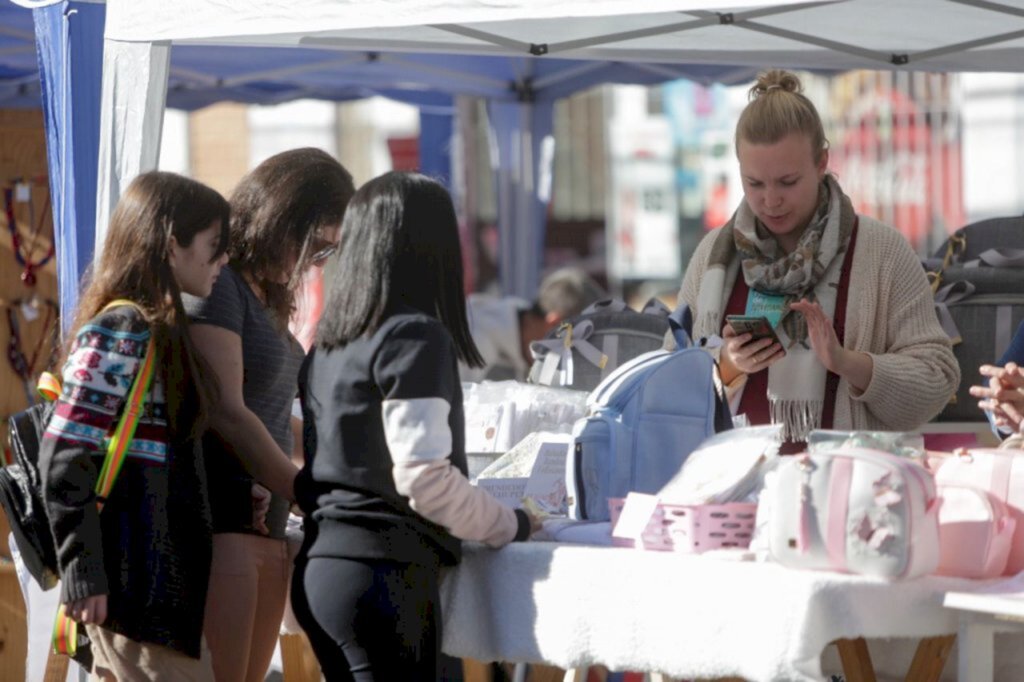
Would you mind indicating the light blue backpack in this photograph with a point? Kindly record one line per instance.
(643, 421)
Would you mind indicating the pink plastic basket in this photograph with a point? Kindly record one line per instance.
(692, 528)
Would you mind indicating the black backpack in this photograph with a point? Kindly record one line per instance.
(21, 495)
(979, 299)
(605, 336)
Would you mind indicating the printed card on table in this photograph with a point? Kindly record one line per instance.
(489, 427)
(546, 485)
(508, 491)
(636, 514)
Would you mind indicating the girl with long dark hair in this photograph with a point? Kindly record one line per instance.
(136, 574)
(285, 217)
(384, 483)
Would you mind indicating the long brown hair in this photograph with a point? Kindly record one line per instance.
(134, 265)
(277, 210)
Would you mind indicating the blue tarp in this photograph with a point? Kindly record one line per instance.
(72, 67)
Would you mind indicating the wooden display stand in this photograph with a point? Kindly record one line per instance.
(22, 155)
(13, 632)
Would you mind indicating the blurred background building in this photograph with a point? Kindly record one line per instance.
(637, 175)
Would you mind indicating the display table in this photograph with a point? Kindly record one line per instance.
(984, 613)
(682, 615)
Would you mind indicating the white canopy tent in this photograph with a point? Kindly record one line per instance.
(933, 35)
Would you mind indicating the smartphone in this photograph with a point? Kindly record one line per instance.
(757, 327)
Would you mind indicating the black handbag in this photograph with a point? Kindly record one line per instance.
(21, 494)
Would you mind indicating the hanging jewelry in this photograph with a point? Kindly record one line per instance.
(19, 362)
(28, 275)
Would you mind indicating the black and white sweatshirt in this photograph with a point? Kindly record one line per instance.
(384, 439)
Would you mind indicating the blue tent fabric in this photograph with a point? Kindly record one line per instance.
(19, 70)
(71, 66)
(436, 130)
(201, 75)
(521, 212)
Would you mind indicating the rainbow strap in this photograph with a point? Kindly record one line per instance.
(48, 387)
(65, 629)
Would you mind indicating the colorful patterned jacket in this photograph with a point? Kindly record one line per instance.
(150, 548)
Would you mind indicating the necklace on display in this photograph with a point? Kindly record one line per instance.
(24, 193)
(20, 363)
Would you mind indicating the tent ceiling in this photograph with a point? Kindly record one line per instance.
(414, 51)
(203, 74)
(933, 35)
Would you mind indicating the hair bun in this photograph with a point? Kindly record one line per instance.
(776, 79)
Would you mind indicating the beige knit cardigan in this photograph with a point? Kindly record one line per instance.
(890, 315)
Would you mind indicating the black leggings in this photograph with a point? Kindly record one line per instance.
(369, 621)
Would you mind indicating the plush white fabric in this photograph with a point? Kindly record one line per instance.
(683, 615)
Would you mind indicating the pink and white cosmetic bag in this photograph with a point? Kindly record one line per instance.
(975, 532)
(855, 510)
(1001, 473)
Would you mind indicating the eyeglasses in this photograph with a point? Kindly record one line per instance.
(323, 254)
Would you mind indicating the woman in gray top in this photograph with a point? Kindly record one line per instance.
(285, 218)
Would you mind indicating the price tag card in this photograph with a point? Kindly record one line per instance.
(636, 514)
(508, 491)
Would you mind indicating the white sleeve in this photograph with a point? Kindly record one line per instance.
(420, 442)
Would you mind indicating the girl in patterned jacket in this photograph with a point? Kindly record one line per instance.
(136, 574)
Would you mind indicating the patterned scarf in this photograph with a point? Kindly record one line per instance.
(796, 383)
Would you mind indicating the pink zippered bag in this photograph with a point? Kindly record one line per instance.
(975, 532)
(1001, 473)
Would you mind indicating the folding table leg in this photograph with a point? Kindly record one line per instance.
(576, 675)
(856, 659)
(930, 659)
(297, 661)
(974, 658)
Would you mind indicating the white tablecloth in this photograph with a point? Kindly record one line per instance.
(682, 615)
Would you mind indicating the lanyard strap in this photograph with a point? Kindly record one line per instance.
(117, 448)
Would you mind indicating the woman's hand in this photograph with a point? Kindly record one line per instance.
(260, 507)
(91, 610)
(1004, 395)
(857, 368)
(821, 334)
(742, 354)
